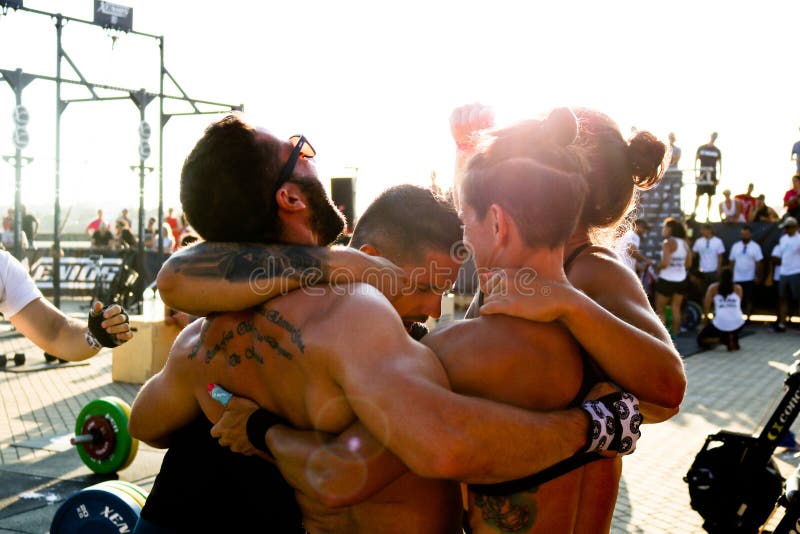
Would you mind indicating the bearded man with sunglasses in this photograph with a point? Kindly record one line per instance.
(320, 359)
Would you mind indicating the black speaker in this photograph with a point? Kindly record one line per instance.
(343, 194)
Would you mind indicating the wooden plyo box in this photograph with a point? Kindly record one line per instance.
(144, 355)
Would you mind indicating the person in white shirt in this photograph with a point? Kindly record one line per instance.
(34, 317)
(726, 297)
(629, 244)
(730, 210)
(672, 285)
(709, 250)
(747, 265)
(789, 261)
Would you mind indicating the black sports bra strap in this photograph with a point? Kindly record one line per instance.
(573, 256)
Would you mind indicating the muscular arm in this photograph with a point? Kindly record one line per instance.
(221, 277)
(625, 338)
(150, 421)
(64, 336)
(435, 432)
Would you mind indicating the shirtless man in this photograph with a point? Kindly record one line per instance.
(324, 359)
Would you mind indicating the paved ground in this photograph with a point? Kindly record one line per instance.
(733, 391)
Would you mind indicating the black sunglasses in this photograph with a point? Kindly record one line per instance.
(301, 148)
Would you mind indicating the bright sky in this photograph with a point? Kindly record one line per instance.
(372, 84)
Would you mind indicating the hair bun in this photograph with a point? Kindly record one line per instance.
(647, 156)
(561, 125)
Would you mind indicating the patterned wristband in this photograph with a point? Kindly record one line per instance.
(601, 426)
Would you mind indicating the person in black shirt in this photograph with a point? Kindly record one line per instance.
(102, 238)
(707, 172)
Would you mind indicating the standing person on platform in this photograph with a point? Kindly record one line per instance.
(791, 200)
(672, 285)
(30, 225)
(708, 170)
(789, 262)
(675, 154)
(34, 317)
(709, 250)
(95, 225)
(796, 156)
(747, 264)
(730, 211)
(747, 203)
(726, 297)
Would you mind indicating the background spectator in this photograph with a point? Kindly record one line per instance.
(174, 224)
(790, 200)
(709, 250)
(124, 237)
(708, 172)
(672, 285)
(95, 225)
(747, 203)
(730, 210)
(796, 155)
(8, 220)
(30, 225)
(746, 262)
(676, 153)
(8, 237)
(789, 261)
(761, 212)
(726, 297)
(150, 234)
(124, 218)
(102, 238)
(628, 245)
(167, 238)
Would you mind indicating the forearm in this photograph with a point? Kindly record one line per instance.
(72, 343)
(455, 437)
(637, 361)
(335, 470)
(210, 277)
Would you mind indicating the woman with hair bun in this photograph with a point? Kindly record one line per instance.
(604, 305)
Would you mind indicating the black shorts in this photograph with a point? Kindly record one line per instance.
(789, 286)
(706, 189)
(669, 288)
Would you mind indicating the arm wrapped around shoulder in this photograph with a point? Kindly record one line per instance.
(614, 422)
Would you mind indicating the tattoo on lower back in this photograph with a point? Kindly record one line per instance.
(238, 262)
(508, 513)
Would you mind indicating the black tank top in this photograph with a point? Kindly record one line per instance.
(203, 487)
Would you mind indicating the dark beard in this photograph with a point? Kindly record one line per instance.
(327, 222)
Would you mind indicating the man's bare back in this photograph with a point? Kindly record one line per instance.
(284, 356)
(530, 365)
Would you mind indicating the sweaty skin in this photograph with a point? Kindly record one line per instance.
(293, 357)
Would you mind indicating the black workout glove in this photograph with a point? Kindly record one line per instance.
(614, 423)
(257, 425)
(98, 333)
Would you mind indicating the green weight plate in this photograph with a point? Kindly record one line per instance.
(104, 457)
(98, 509)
